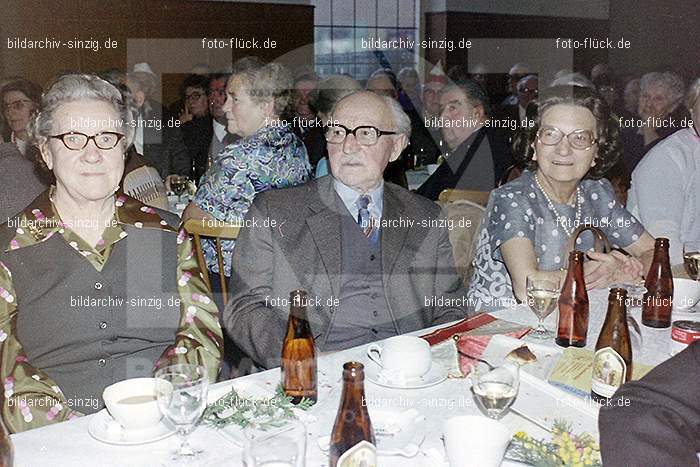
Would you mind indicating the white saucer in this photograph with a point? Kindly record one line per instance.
(104, 428)
(436, 375)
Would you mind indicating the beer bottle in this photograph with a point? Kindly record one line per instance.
(658, 299)
(299, 352)
(6, 451)
(612, 362)
(572, 327)
(352, 439)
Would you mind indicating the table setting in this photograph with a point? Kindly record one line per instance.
(417, 392)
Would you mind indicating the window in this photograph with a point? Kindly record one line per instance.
(346, 34)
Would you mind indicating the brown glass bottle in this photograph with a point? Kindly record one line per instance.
(352, 424)
(6, 450)
(572, 326)
(658, 299)
(299, 376)
(612, 362)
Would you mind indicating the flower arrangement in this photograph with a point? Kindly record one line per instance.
(565, 448)
(233, 408)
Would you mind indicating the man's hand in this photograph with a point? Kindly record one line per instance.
(185, 115)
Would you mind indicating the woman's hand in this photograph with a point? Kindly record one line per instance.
(607, 268)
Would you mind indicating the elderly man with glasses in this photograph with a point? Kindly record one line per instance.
(374, 258)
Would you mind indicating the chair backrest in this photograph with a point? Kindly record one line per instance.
(201, 228)
(144, 184)
(466, 217)
(452, 194)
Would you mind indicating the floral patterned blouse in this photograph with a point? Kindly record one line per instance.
(273, 157)
(25, 388)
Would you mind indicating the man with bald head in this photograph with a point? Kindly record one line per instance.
(374, 258)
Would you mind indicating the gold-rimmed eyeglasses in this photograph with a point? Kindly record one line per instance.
(578, 139)
(18, 105)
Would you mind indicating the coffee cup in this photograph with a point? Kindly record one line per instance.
(133, 403)
(475, 441)
(407, 355)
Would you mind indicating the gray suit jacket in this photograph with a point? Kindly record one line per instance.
(294, 242)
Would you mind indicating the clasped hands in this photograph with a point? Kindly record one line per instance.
(604, 269)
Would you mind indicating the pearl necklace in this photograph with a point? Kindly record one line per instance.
(560, 220)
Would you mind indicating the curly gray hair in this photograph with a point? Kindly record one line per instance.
(78, 87)
(692, 96)
(266, 81)
(673, 83)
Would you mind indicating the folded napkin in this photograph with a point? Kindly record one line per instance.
(474, 333)
(574, 371)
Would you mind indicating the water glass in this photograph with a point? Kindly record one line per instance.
(275, 443)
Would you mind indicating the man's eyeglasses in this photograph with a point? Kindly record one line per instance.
(365, 135)
(18, 105)
(526, 90)
(194, 96)
(76, 141)
(578, 139)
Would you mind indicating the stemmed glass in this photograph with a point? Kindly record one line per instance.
(179, 185)
(181, 392)
(495, 388)
(691, 259)
(542, 298)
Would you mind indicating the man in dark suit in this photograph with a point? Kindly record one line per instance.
(373, 257)
(158, 141)
(19, 181)
(478, 154)
(656, 420)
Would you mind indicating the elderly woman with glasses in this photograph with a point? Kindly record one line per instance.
(529, 221)
(95, 287)
(19, 99)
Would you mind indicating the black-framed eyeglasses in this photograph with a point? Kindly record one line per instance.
(194, 96)
(578, 139)
(365, 135)
(527, 90)
(75, 141)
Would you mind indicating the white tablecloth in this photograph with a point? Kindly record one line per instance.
(69, 444)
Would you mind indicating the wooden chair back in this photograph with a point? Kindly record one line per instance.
(452, 194)
(199, 228)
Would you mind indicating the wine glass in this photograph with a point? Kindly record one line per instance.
(181, 392)
(542, 298)
(691, 259)
(179, 185)
(495, 388)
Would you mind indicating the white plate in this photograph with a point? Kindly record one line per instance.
(436, 375)
(396, 433)
(104, 428)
